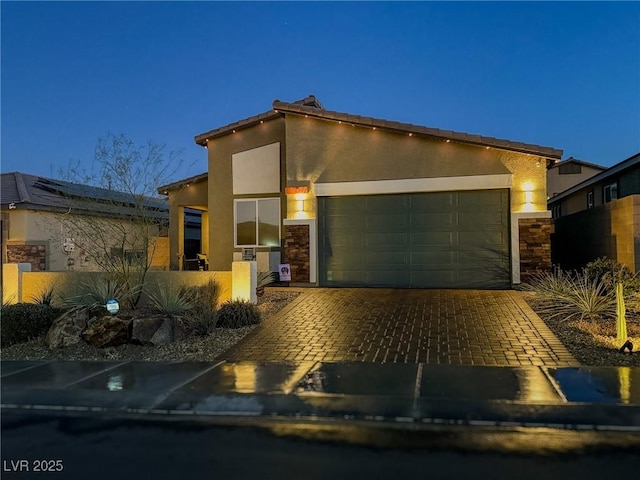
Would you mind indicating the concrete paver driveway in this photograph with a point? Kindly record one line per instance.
(466, 327)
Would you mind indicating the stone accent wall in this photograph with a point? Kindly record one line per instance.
(33, 254)
(297, 252)
(535, 245)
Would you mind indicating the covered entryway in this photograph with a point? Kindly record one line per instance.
(434, 240)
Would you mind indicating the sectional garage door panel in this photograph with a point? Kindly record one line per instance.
(442, 239)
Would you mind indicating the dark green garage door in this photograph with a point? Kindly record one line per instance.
(438, 240)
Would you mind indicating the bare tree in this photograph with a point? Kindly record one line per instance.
(114, 213)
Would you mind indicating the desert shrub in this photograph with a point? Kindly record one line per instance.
(569, 296)
(93, 294)
(238, 314)
(202, 318)
(170, 301)
(22, 322)
(44, 296)
(610, 272)
(550, 285)
(265, 278)
(200, 326)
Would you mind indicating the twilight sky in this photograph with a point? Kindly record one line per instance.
(564, 75)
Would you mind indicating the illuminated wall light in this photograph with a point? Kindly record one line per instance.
(528, 197)
(234, 131)
(374, 128)
(411, 134)
(448, 141)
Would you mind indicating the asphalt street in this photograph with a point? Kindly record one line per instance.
(108, 447)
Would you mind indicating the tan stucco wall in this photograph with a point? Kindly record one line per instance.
(193, 196)
(45, 228)
(557, 183)
(220, 151)
(316, 148)
(34, 283)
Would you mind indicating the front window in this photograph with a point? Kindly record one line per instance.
(610, 192)
(257, 222)
(590, 199)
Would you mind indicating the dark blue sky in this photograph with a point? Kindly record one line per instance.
(565, 75)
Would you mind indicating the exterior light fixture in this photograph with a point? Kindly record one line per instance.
(234, 131)
(528, 197)
(411, 134)
(448, 141)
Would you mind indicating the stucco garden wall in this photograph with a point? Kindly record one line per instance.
(611, 230)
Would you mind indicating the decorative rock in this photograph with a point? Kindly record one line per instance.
(66, 329)
(108, 331)
(144, 329)
(164, 334)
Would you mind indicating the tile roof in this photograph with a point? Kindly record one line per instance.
(311, 107)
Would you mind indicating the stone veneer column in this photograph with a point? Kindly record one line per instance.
(535, 245)
(33, 254)
(297, 252)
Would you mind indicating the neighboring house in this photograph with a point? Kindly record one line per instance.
(563, 175)
(599, 217)
(348, 200)
(35, 229)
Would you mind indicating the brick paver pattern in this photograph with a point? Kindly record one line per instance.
(464, 327)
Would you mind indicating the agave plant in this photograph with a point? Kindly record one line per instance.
(170, 301)
(94, 293)
(264, 279)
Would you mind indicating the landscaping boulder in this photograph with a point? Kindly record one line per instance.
(164, 334)
(66, 329)
(108, 331)
(144, 328)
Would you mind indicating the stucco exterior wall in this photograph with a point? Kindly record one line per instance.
(29, 228)
(220, 188)
(611, 230)
(315, 147)
(34, 283)
(559, 183)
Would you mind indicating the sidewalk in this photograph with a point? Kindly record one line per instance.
(600, 398)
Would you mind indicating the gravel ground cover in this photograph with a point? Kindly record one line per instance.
(593, 342)
(193, 348)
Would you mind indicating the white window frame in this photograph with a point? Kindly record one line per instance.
(235, 221)
(590, 197)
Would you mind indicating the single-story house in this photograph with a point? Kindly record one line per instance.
(565, 174)
(348, 200)
(599, 217)
(35, 229)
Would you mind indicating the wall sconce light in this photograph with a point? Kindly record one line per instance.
(528, 197)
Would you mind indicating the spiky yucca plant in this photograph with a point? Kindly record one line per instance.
(566, 296)
(170, 301)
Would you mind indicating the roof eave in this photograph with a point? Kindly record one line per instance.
(404, 128)
(165, 189)
(232, 127)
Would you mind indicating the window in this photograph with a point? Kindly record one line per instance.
(610, 192)
(556, 211)
(569, 169)
(590, 199)
(257, 222)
